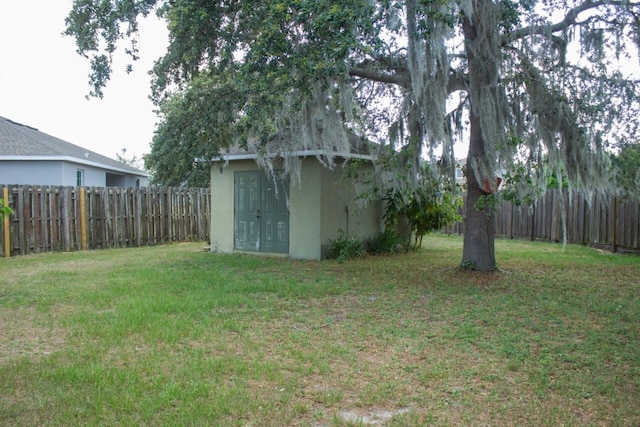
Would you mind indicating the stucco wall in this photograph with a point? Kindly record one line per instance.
(341, 210)
(305, 216)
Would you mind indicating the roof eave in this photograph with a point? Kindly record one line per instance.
(302, 153)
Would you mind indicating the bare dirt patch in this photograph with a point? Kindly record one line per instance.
(24, 333)
(375, 417)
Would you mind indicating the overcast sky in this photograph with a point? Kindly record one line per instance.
(43, 81)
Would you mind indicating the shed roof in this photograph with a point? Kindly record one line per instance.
(22, 142)
(359, 148)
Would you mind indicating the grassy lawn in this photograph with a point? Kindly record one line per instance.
(173, 335)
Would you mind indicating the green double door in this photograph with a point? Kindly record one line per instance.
(261, 216)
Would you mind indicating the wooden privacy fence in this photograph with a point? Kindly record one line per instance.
(604, 222)
(80, 218)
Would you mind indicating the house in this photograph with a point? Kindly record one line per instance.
(255, 212)
(31, 157)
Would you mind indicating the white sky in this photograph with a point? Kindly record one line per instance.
(43, 81)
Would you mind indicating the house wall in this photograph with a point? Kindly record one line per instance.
(116, 180)
(316, 204)
(305, 217)
(93, 177)
(56, 172)
(31, 173)
(25, 172)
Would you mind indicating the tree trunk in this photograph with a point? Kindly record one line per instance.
(478, 251)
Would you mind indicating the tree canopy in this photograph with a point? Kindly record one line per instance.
(515, 79)
(627, 164)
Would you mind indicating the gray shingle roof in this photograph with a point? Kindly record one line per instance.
(17, 140)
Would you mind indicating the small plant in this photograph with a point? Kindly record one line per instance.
(385, 242)
(4, 210)
(467, 264)
(345, 247)
(488, 203)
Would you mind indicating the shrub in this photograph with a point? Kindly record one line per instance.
(386, 242)
(345, 247)
(426, 208)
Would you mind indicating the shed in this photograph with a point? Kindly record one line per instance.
(255, 212)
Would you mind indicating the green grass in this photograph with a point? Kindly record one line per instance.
(173, 335)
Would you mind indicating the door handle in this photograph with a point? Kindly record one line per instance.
(258, 216)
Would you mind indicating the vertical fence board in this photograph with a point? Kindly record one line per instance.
(36, 219)
(138, 218)
(52, 199)
(635, 226)
(21, 226)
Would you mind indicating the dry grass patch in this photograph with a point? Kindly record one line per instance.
(27, 333)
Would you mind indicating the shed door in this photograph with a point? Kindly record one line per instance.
(261, 216)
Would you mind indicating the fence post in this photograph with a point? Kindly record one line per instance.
(533, 221)
(66, 218)
(7, 229)
(614, 226)
(83, 221)
(138, 215)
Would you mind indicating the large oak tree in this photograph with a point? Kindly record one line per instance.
(526, 80)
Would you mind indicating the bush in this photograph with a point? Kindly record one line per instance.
(426, 208)
(386, 242)
(345, 247)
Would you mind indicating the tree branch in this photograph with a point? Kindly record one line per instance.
(400, 79)
(569, 20)
(457, 81)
